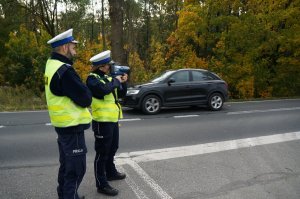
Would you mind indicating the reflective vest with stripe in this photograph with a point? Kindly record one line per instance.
(62, 110)
(107, 109)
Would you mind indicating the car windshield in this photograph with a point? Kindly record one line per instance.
(162, 76)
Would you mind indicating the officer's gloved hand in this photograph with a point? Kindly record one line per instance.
(124, 78)
(119, 78)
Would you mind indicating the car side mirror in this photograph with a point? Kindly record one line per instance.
(171, 80)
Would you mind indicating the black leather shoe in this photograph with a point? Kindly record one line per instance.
(108, 190)
(118, 176)
(81, 197)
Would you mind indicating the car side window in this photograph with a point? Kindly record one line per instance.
(200, 76)
(182, 76)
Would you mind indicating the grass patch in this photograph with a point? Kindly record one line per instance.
(20, 99)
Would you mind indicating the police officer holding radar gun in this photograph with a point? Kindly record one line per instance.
(106, 112)
(67, 100)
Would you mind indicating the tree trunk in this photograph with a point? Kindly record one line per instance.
(147, 36)
(116, 17)
(103, 25)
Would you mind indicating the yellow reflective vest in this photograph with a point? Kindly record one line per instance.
(62, 110)
(106, 109)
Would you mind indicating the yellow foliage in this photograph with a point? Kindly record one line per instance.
(190, 2)
(157, 62)
(173, 46)
(138, 73)
(187, 58)
(195, 62)
(266, 93)
(246, 88)
(85, 51)
(188, 25)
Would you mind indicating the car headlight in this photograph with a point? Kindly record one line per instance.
(132, 92)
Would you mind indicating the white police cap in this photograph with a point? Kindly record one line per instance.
(62, 38)
(101, 58)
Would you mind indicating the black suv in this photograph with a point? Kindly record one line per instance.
(176, 88)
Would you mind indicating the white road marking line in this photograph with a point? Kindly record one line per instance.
(183, 116)
(263, 111)
(262, 101)
(4, 112)
(48, 124)
(2, 126)
(178, 152)
(129, 120)
(134, 187)
(156, 188)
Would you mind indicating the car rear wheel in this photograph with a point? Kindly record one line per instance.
(151, 104)
(215, 102)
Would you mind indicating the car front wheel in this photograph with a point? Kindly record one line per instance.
(215, 102)
(151, 104)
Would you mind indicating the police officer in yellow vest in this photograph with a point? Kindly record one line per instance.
(67, 100)
(106, 112)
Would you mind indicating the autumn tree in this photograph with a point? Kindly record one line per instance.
(116, 9)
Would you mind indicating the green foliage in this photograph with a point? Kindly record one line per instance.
(9, 21)
(27, 55)
(75, 16)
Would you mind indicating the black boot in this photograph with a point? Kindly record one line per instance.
(108, 190)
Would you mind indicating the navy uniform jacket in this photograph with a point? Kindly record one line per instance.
(99, 89)
(66, 82)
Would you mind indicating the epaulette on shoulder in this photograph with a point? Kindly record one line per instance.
(68, 65)
(63, 69)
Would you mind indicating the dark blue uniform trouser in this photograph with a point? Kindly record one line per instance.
(72, 158)
(106, 145)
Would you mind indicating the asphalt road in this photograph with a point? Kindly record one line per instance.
(32, 141)
(28, 143)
